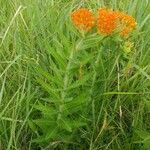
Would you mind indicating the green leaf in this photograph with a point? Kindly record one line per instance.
(147, 103)
(48, 88)
(45, 124)
(52, 133)
(66, 125)
(59, 59)
(77, 123)
(89, 42)
(32, 126)
(145, 136)
(48, 76)
(71, 124)
(75, 104)
(46, 109)
(80, 82)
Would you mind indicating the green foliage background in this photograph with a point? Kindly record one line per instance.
(60, 89)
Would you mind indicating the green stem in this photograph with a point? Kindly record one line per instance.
(65, 84)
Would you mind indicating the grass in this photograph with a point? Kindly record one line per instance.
(60, 90)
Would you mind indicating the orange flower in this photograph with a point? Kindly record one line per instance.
(109, 20)
(106, 21)
(127, 23)
(83, 19)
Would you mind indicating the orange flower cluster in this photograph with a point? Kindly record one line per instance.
(127, 23)
(83, 19)
(107, 21)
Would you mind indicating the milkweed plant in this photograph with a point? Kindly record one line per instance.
(81, 82)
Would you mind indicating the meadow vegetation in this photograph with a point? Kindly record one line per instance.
(65, 89)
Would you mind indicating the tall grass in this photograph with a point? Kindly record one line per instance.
(62, 90)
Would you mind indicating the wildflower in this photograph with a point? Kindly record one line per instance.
(83, 19)
(109, 20)
(106, 21)
(127, 23)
